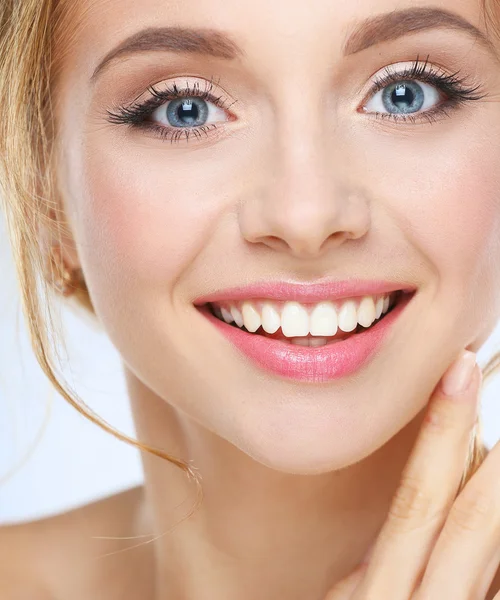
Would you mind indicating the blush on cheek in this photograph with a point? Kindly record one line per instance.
(145, 222)
(443, 192)
(440, 192)
(456, 220)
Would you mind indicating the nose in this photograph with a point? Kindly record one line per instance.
(304, 204)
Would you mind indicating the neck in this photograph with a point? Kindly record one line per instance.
(259, 533)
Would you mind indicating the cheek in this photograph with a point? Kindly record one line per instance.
(451, 212)
(146, 216)
(443, 195)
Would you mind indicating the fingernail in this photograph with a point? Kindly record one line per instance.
(459, 376)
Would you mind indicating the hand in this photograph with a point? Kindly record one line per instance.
(436, 545)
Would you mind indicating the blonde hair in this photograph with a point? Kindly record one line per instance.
(29, 32)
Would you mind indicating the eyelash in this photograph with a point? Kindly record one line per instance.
(135, 115)
(455, 88)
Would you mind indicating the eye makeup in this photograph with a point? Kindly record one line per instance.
(188, 104)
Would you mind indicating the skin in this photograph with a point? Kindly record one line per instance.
(299, 186)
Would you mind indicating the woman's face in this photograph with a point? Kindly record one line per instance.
(310, 143)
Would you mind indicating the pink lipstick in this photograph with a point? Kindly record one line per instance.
(310, 363)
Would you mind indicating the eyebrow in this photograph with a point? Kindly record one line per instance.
(210, 42)
(393, 25)
(174, 39)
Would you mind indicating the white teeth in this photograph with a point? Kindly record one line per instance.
(294, 320)
(226, 315)
(298, 321)
(251, 317)
(271, 320)
(323, 320)
(348, 318)
(366, 311)
(237, 316)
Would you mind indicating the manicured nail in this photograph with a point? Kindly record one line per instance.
(458, 377)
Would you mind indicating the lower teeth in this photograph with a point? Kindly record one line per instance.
(298, 341)
(316, 342)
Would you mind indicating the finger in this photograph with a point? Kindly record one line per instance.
(470, 540)
(428, 486)
(344, 589)
(489, 577)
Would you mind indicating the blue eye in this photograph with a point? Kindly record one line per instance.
(404, 97)
(188, 112)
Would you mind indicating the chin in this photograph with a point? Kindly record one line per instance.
(294, 463)
(306, 452)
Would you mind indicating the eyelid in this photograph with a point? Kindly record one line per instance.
(397, 69)
(182, 81)
(188, 89)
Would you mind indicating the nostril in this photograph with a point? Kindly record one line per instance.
(274, 242)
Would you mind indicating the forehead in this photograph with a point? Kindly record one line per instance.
(99, 25)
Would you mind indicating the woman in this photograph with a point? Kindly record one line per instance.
(286, 218)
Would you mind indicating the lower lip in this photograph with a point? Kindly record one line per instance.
(303, 363)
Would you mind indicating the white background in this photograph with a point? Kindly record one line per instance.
(74, 462)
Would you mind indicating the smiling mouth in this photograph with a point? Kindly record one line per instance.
(283, 324)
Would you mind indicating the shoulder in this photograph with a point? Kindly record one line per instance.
(19, 578)
(43, 558)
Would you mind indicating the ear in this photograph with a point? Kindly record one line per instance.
(54, 230)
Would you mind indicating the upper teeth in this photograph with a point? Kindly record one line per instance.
(295, 319)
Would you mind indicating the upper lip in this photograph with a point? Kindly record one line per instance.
(306, 293)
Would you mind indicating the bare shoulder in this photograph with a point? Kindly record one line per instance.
(40, 559)
(19, 579)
